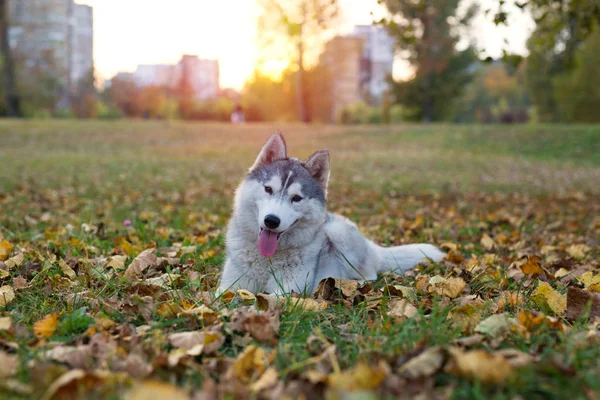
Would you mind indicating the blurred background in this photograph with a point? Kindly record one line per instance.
(325, 61)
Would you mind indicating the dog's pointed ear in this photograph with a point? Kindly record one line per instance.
(274, 149)
(318, 166)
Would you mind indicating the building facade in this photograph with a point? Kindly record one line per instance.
(201, 76)
(376, 61)
(55, 37)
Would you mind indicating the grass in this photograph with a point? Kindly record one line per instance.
(83, 191)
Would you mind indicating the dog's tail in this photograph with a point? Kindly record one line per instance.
(402, 258)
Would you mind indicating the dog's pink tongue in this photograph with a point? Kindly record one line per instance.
(267, 243)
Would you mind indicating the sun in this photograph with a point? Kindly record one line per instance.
(273, 68)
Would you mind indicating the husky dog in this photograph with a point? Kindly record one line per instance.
(281, 238)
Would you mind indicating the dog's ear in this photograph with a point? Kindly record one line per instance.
(273, 150)
(318, 166)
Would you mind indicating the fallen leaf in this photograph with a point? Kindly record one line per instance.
(588, 279)
(7, 294)
(45, 327)
(359, 378)
(66, 385)
(401, 309)
(249, 365)
(8, 364)
(479, 365)
(5, 323)
(306, 304)
(145, 259)
(267, 380)
(578, 250)
(549, 299)
(116, 262)
(425, 364)
(496, 326)
(15, 261)
(152, 389)
(532, 266)
(68, 271)
(578, 302)
(487, 242)
(466, 316)
(246, 296)
(202, 312)
(5, 249)
(449, 287)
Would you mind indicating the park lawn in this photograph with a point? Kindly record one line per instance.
(516, 207)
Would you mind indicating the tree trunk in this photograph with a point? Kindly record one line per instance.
(13, 104)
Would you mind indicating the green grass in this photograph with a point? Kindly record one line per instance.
(67, 187)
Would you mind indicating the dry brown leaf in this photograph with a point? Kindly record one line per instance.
(479, 365)
(152, 389)
(401, 309)
(5, 323)
(210, 341)
(203, 313)
(267, 380)
(487, 242)
(145, 259)
(8, 364)
(359, 378)
(249, 365)
(5, 249)
(116, 262)
(549, 299)
(45, 327)
(578, 302)
(578, 251)
(532, 267)
(7, 294)
(425, 364)
(306, 304)
(15, 261)
(449, 287)
(466, 316)
(68, 271)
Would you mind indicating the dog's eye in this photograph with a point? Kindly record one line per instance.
(268, 189)
(296, 199)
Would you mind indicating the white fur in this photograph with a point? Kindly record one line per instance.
(314, 244)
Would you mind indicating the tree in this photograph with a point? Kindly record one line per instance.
(296, 26)
(12, 99)
(577, 92)
(428, 30)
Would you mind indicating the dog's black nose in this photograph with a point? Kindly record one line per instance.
(271, 221)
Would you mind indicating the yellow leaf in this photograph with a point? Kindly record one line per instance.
(145, 259)
(5, 323)
(479, 365)
(116, 262)
(424, 365)
(5, 249)
(68, 271)
(588, 279)
(151, 390)
(532, 266)
(45, 327)
(202, 313)
(450, 287)
(307, 304)
(548, 298)
(466, 316)
(401, 309)
(578, 250)
(487, 242)
(359, 378)
(249, 365)
(246, 296)
(594, 288)
(266, 381)
(7, 294)
(15, 261)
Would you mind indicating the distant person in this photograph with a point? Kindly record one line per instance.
(237, 116)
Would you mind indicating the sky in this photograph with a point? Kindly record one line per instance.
(132, 32)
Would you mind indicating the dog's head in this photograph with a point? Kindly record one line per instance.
(282, 199)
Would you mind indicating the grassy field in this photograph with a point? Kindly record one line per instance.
(515, 207)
